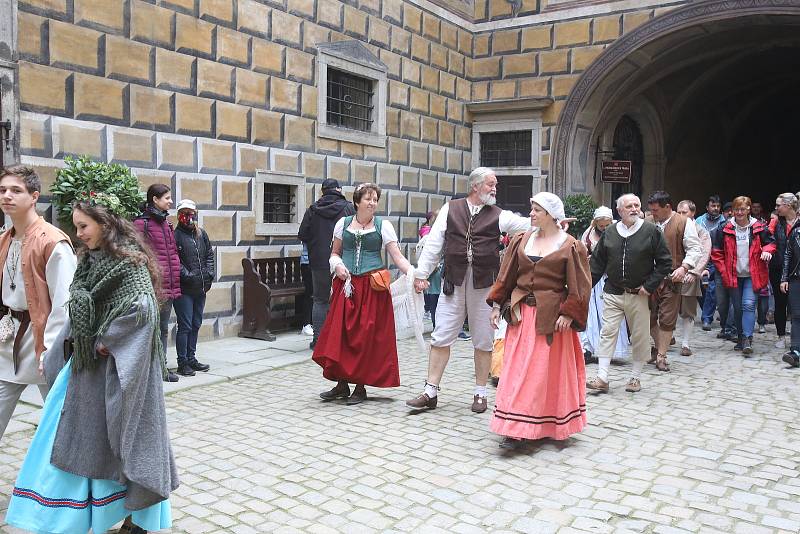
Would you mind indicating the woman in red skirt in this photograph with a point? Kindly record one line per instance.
(544, 283)
(357, 344)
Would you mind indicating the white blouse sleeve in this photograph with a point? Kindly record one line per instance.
(387, 233)
(338, 229)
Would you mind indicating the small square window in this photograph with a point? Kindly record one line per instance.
(280, 202)
(506, 149)
(350, 100)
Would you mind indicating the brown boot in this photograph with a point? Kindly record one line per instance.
(661, 362)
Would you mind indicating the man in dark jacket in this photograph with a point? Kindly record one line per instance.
(636, 258)
(316, 231)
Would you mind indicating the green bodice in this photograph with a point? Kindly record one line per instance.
(361, 252)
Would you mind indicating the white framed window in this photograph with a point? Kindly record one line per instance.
(510, 147)
(280, 202)
(351, 94)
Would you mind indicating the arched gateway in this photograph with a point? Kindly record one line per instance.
(712, 88)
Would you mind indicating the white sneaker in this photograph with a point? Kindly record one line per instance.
(781, 343)
(308, 330)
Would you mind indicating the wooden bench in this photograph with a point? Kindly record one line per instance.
(264, 280)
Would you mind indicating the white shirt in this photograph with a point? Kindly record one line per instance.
(432, 251)
(691, 242)
(388, 235)
(59, 271)
(626, 232)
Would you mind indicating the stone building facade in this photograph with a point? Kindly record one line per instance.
(229, 101)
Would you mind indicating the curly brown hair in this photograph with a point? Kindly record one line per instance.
(120, 239)
(362, 189)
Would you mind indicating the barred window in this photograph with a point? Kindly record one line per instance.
(349, 100)
(506, 149)
(279, 203)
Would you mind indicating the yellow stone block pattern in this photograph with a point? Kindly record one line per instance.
(286, 28)
(192, 115)
(419, 100)
(519, 65)
(42, 88)
(98, 98)
(106, 13)
(439, 55)
(449, 35)
(572, 33)
(537, 38)
(583, 57)
(287, 162)
(214, 79)
(215, 156)
(430, 79)
(563, 84)
(314, 165)
(632, 21)
(552, 112)
(34, 135)
(352, 150)
(299, 133)
(284, 95)
(75, 138)
(505, 41)
(132, 147)
(330, 14)
(420, 48)
(47, 175)
(299, 65)
(232, 121)
(230, 263)
(503, 90)
(251, 88)
(72, 45)
(484, 68)
(218, 299)
(177, 152)
(554, 61)
(438, 106)
(250, 160)
(253, 17)
(235, 194)
(193, 35)
(127, 60)
(201, 191)
(232, 46)
(606, 28)
(301, 7)
(267, 127)
(363, 172)
(308, 101)
(173, 70)
(221, 10)
(534, 87)
(151, 24)
(355, 22)
(57, 7)
(268, 57)
(29, 41)
(412, 18)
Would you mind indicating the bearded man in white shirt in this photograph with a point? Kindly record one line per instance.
(467, 233)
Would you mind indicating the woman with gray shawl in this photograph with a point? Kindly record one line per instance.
(101, 453)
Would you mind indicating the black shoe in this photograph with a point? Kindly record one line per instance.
(707, 327)
(359, 395)
(197, 366)
(747, 346)
(723, 335)
(588, 357)
(792, 358)
(185, 370)
(171, 377)
(510, 443)
(339, 391)
(739, 344)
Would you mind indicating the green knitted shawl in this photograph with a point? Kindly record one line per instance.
(103, 289)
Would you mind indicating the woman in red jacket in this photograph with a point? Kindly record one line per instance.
(741, 251)
(158, 233)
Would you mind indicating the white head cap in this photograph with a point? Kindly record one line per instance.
(603, 212)
(187, 204)
(551, 204)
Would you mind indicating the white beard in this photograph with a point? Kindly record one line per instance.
(488, 199)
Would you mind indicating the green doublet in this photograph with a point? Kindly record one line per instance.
(368, 258)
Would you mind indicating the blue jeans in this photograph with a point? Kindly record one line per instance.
(744, 306)
(710, 297)
(189, 310)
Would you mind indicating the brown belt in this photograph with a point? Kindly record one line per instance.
(632, 291)
(24, 318)
(530, 300)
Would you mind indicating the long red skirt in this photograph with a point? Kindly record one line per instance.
(542, 390)
(358, 342)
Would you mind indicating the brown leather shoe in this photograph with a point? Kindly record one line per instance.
(359, 395)
(340, 391)
(686, 351)
(478, 404)
(597, 384)
(423, 401)
(661, 363)
(634, 385)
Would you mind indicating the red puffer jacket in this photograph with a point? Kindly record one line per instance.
(723, 254)
(157, 232)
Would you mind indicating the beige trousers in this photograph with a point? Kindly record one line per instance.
(635, 310)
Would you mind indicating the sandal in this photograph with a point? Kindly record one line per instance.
(661, 363)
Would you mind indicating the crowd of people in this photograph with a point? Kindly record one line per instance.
(637, 279)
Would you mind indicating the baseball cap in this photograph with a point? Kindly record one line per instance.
(187, 204)
(330, 183)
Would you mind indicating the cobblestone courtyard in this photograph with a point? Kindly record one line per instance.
(710, 447)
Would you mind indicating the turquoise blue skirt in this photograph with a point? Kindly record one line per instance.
(47, 500)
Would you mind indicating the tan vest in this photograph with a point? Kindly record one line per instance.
(673, 234)
(40, 240)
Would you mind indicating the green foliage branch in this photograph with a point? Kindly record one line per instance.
(581, 207)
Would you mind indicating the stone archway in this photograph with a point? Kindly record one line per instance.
(663, 65)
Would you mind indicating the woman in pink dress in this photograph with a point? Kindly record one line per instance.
(543, 290)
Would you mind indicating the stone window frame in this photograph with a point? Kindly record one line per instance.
(328, 57)
(9, 80)
(534, 125)
(294, 179)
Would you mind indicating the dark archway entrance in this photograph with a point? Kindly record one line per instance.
(628, 146)
(712, 87)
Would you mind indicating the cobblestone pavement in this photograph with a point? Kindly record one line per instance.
(710, 447)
